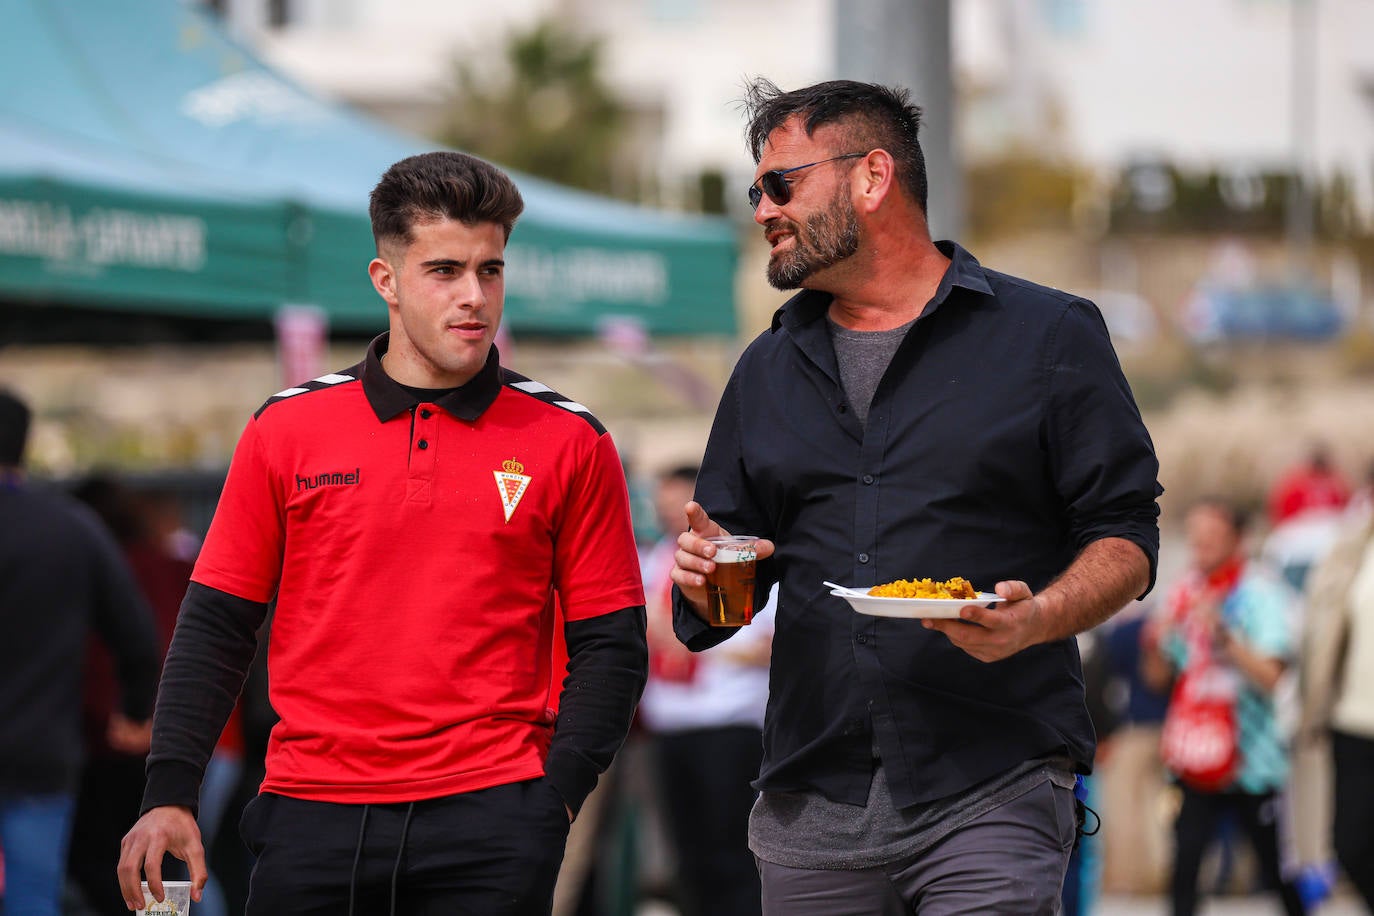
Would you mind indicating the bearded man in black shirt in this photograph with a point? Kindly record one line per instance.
(911, 414)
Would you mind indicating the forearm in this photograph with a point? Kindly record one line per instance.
(1155, 670)
(608, 663)
(124, 621)
(212, 647)
(134, 649)
(1102, 579)
(1263, 671)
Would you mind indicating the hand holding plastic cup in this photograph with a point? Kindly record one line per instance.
(176, 900)
(730, 589)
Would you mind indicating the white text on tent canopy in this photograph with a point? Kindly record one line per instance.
(572, 275)
(251, 95)
(100, 236)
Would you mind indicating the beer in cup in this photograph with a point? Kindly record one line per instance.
(730, 589)
(176, 899)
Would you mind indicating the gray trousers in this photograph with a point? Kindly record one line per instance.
(1011, 860)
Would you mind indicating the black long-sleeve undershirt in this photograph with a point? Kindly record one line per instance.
(212, 646)
(608, 663)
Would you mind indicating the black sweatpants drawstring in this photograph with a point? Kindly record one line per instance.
(357, 856)
(400, 851)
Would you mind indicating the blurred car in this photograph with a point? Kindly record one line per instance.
(1270, 312)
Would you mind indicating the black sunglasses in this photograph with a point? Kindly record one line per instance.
(778, 188)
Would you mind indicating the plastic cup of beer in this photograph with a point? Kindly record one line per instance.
(176, 900)
(730, 589)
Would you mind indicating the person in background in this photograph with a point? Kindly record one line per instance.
(112, 777)
(1135, 853)
(1361, 505)
(61, 578)
(1312, 485)
(1306, 508)
(704, 714)
(411, 519)
(912, 414)
(1232, 613)
(144, 522)
(1337, 692)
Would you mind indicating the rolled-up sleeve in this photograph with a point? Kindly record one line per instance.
(1101, 457)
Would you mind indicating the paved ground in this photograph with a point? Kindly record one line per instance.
(1154, 906)
(1226, 906)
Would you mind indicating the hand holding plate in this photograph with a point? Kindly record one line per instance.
(999, 632)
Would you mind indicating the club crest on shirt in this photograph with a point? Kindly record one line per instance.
(511, 481)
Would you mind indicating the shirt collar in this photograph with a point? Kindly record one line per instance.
(388, 398)
(963, 271)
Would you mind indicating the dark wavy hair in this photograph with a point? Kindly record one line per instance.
(868, 115)
(441, 185)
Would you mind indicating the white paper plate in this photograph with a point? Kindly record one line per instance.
(910, 607)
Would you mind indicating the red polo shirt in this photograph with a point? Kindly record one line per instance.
(413, 550)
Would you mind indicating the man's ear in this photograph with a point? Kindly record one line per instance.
(873, 178)
(383, 279)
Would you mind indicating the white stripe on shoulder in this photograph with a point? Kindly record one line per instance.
(573, 406)
(288, 392)
(334, 378)
(532, 387)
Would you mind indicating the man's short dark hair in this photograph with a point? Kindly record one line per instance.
(868, 115)
(1234, 513)
(441, 185)
(15, 417)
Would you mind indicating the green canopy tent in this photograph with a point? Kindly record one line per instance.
(148, 163)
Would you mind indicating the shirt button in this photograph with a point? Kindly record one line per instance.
(862, 639)
(863, 558)
(423, 444)
(425, 415)
(868, 478)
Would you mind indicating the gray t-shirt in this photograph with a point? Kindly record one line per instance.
(863, 357)
(808, 830)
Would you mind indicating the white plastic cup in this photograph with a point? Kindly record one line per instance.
(176, 900)
(730, 588)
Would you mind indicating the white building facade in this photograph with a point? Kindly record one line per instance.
(1228, 84)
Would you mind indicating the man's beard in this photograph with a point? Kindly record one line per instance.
(824, 240)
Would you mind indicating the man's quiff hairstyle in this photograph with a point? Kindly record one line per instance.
(441, 185)
(868, 116)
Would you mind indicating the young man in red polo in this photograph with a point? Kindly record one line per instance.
(413, 518)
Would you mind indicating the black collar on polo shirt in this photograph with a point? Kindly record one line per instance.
(389, 398)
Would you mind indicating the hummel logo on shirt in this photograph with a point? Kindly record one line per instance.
(333, 479)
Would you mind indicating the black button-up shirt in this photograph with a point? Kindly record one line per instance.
(1002, 439)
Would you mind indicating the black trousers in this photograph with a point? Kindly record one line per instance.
(1196, 828)
(1354, 806)
(703, 779)
(493, 852)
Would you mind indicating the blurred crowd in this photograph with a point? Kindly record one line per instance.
(1234, 709)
